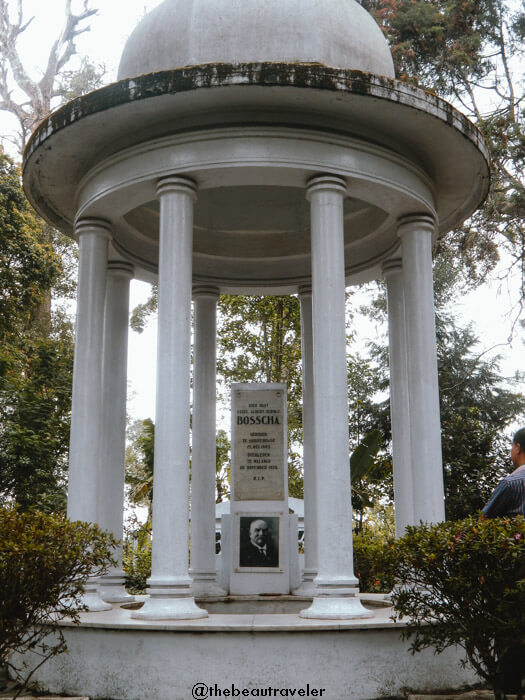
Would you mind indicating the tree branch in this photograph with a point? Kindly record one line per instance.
(506, 66)
(64, 47)
(39, 93)
(9, 33)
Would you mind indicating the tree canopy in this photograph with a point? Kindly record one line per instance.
(36, 263)
(471, 52)
(477, 404)
(35, 356)
(29, 265)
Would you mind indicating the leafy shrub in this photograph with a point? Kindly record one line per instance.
(137, 560)
(45, 561)
(463, 583)
(372, 554)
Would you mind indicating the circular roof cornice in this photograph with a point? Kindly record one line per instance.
(388, 112)
(215, 75)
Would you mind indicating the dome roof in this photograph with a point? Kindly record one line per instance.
(178, 33)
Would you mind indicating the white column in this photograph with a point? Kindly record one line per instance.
(203, 460)
(113, 443)
(336, 587)
(170, 583)
(425, 435)
(399, 400)
(310, 519)
(86, 408)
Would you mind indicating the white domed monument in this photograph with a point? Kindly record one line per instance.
(250, 148)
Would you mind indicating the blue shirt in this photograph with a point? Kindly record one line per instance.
(508, 498)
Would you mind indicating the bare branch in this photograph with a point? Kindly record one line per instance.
(506, 66)
(9, 33)
(468, 88)
(63, 48)
(41, 92)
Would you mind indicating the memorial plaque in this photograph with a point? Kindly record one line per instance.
(259, 440)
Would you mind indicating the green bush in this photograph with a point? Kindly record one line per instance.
(463, 583)
(45, 561)
(371, 563)
(137, 560)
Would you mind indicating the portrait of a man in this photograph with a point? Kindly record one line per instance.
(259, 537)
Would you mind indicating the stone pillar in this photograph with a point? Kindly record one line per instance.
(203, 461)
(113, 443)
(399, 400)
(336, 587)
(170, 583)
(86, 409)
(425, 435)
(310, 519)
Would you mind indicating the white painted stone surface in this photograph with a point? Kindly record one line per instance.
(429, 499)
(335, 584)
(170, 584)
(86, 419)
(86, 408)
(337, 33)
(259, 449)
(251, 214)
(203, 443)
(294, 558)
(351, 661)
(259, 443)
(310, 503)
(225, 566)
(399, 397)
(252, 136)
(113, 438)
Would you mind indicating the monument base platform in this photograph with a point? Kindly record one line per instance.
(112, 655)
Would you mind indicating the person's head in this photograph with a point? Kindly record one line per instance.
(259, 532)
(517, 451)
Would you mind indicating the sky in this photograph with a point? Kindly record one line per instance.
(489, 308)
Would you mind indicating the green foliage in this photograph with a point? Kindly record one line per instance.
(372, 480)
(371, 562)
(36, 356)
(140, 454)
(137, 559)
(44, 565)
(363, 383)
(471, 51)
(477, 404)
(74, 83)
(222, 466)
(268, 329)
(463, 583)
(259, 340)
(139, 463)
(141, 313)
(28, 263)
(476, 407)
(367, 474)
(434, 42)
(362, 458)
(35, 404)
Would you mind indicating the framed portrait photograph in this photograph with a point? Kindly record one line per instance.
(258, 542)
